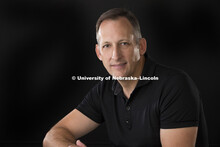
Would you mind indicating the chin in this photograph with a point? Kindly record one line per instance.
(119, 75)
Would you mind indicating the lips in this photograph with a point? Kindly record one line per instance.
(118, 65)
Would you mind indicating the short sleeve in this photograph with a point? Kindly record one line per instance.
(91, 105)
(179, 106)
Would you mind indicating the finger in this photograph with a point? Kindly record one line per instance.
(79, 143)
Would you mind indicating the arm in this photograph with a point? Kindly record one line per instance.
(179, 112)
(180, 137)
(70, 128)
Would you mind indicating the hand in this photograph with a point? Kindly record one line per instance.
(78, 144)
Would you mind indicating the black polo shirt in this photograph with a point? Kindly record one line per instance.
(170, 102)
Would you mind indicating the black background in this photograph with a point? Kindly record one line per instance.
(44, 43)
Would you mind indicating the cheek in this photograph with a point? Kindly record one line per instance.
(105, 62)
(106, 54)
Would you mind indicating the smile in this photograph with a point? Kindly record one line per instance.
(118, 66)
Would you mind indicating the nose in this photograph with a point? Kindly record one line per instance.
(116, 53)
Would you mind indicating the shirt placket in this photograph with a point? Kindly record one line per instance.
(128, 119)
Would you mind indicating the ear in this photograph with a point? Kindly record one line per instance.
(143, 46)
(97, 50)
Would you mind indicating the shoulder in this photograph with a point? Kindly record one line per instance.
(103, 86)
(176, 85)
(165, 72)
(169, 72)
(172, 75)
(173, 80)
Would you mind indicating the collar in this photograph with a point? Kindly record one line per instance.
(148, 71)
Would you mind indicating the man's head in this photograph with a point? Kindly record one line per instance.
(120, 46)
(114, 14)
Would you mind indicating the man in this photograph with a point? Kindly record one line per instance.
(165, 112)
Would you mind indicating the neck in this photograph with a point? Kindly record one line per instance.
(129, 85)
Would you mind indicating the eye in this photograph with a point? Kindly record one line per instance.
(106, 46)
(124, 43)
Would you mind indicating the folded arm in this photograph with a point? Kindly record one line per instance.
(69, 129)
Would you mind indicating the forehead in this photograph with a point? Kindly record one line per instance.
(119, 20)
(112, 28)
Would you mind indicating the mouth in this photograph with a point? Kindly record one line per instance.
(118, 65)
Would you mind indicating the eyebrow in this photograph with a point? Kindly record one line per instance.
(123, 40)
(105, 42)
(118, 41)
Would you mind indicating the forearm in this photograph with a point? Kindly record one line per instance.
(58, 137)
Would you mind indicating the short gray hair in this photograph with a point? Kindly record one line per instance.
(120, 12)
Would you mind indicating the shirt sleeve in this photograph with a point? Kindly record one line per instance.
(180, 103)
(91, 105)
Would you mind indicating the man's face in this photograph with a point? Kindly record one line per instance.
(117, 47)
